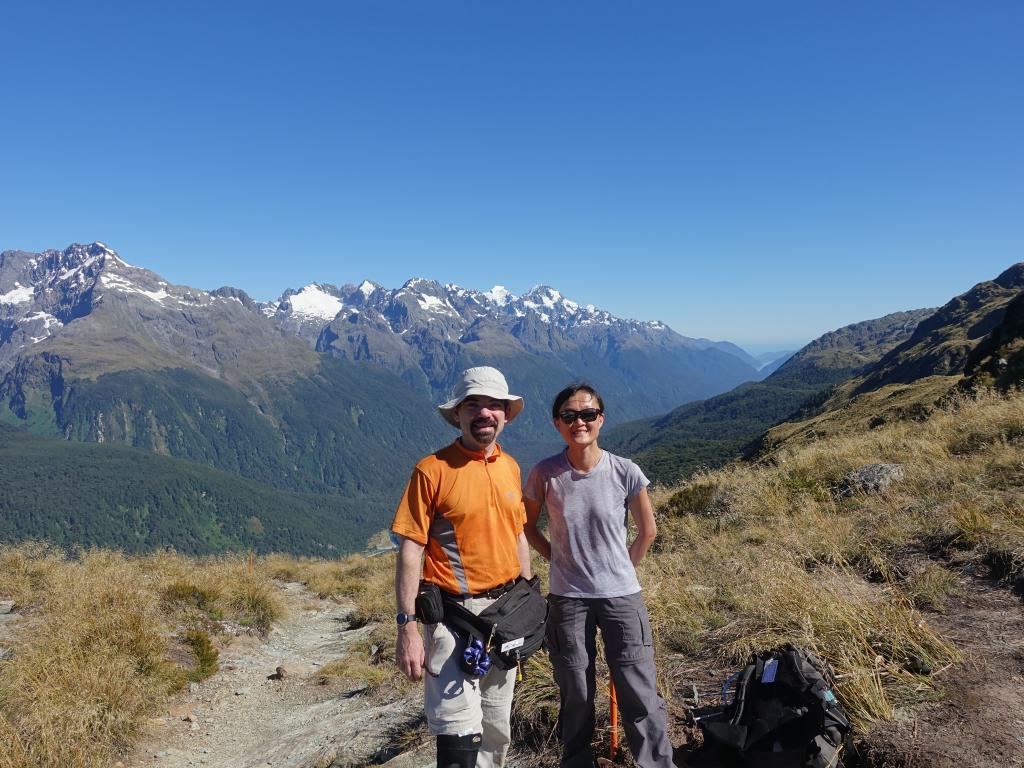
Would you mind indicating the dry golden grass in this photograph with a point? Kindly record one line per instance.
(368, 582)
(91, 655)
(369, 665)
(77, 691)
(753, 556)
(25, 571)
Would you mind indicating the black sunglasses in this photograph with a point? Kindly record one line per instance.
(587, 414)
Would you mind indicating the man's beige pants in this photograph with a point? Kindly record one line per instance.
(458, 704)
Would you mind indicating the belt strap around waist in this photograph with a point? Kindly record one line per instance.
(492, 593)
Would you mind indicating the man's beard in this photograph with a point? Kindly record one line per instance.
(484, 437)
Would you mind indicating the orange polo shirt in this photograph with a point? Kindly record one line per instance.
(467, 509)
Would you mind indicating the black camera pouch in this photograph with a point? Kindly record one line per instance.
(429, 606)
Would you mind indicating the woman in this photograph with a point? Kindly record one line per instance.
(589, 494)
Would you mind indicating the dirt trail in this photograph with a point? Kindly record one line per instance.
(980, 722)
(240, 719)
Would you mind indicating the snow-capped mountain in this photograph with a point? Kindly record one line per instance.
(40, 292)
(86, 311)
(423, 302)
(426, 332)
(326, 390)
(92, 308)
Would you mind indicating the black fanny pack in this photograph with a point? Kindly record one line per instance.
(429, 604)
(511, 628)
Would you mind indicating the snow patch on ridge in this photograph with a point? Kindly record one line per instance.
(499, 295)
(18, 295)
(112, 253)
(157, 296)
(434, 304)
(313, 301)
(69, 273)
(118, 283)
(48, 321)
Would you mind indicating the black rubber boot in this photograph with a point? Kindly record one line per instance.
(457, 751)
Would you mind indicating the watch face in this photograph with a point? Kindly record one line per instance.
(403, 618)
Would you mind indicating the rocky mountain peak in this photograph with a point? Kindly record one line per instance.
(40, 293)
(43, 293)
(498, 295)
(1012, 277)
(367, 288)
(316, 300)
(236, 294)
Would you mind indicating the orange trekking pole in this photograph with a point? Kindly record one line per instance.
(614, 705)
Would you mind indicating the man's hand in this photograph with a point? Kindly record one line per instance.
(409, 651)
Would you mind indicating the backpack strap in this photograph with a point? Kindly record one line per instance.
(459, 618)
(740, 699)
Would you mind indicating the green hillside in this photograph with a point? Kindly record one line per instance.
(345, 427)
(974, 339)
(709, 433)
(942, 344)
(999, 359)
(75, 494)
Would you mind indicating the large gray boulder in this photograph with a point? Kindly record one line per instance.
(871, 478)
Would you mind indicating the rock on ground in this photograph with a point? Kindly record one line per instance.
(871, 478)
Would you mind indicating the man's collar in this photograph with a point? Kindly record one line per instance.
(478, 455)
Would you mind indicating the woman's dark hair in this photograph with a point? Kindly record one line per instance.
(572, 389)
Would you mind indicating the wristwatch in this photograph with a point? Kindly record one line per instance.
(404, 618)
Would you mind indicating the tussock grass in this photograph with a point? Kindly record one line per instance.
(368, 582)
(535, 713)
(756, 555)
(255, 604)
(206, 655)
(931, 587)
(187, 594)
(78, 691)
(25, 571)
(13, 754)
(92, 653)
(369, 665)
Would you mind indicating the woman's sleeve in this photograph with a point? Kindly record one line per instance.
(534, 490)
(636, 480)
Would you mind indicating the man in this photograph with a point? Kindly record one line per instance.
(463, 510)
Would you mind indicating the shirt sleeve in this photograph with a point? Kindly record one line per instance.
(416, 509)
(521, 523)
(534, 490)
(636, 480)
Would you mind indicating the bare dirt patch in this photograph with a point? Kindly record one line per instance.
(980, 721)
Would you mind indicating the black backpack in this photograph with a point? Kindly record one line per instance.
(783, 715)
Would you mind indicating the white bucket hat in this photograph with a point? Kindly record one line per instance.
(486, 381)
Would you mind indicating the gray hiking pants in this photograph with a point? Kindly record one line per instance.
(626, 630)
(458, 704)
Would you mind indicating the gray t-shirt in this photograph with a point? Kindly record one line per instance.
(588, 517)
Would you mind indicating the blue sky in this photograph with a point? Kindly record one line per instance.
(751, 171)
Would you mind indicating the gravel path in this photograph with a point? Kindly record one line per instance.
(240, 719)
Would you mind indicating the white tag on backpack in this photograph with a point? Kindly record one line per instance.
(511, 644)
(770, 668)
